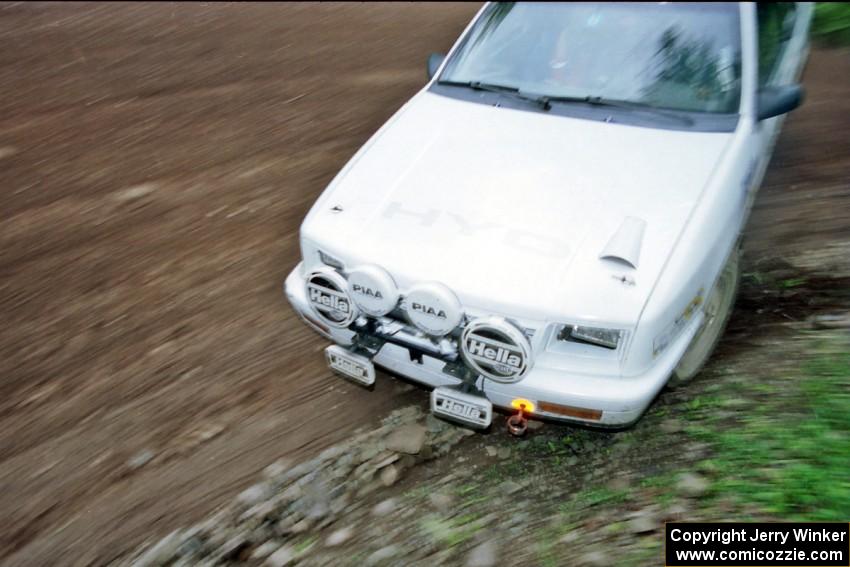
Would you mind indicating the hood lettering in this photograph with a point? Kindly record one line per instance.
(527, 241)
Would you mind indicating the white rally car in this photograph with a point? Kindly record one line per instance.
(552, 223)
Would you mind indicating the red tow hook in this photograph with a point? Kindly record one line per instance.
(517, 423)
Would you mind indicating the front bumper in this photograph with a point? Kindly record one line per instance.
(612, 401)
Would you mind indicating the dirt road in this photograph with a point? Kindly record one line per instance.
(155, 163)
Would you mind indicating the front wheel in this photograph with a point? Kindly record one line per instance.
(717, 310)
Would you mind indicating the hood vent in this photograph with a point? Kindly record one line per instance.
(625, 245)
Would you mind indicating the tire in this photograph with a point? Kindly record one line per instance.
(717, 310)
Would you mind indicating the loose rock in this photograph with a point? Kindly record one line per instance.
(301, 526)
(135, 192)
(161, 552)
(491, 451)
(389, 475)
(510, 487)
(384, 508)
(331, 453)
(620, 482)
(388, 553)
(259, 511)
(696, 451)
(339, 537)
(831, 321)
(643, 523)
(483, 555)
(140, 459)
(441, 501)
(671, 426)
(281, 557)
(265, 550)
(253, 494)
(596, 559)
(676, 511)
(276, 469)
(233, 547)
(692, 485)
(318, 510)
(292, 493)
(435, 424)
(407, 439)
(388, 460)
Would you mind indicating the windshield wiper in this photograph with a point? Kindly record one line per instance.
(502, 89)
(546, 102)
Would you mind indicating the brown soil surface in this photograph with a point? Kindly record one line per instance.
(155, 163)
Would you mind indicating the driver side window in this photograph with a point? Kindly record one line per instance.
(775, 25)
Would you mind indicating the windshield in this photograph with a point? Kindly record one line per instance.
(680, 56)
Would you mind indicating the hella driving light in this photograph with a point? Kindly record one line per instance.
(608, 338)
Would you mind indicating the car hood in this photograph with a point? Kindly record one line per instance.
(512, 209)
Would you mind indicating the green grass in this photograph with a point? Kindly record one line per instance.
(790, 283)
(598, 496)
(451, 531)
(304, 545)
(831, 23)
(790, 455)
(657, 481)
(546, 542)
(649, 552)
(419, 492)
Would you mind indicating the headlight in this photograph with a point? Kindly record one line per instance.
(608, 338)
(329, 260)
(313, 256)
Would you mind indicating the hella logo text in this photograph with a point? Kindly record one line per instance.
(348, 367)
(328, 299)
(494, 355)
(462, 410)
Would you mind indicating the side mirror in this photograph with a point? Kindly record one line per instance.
(774, 101)
(434, 62)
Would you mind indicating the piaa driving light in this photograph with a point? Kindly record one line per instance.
(608, 338)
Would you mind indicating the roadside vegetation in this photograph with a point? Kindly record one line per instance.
(786, 449)
(831, 24)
